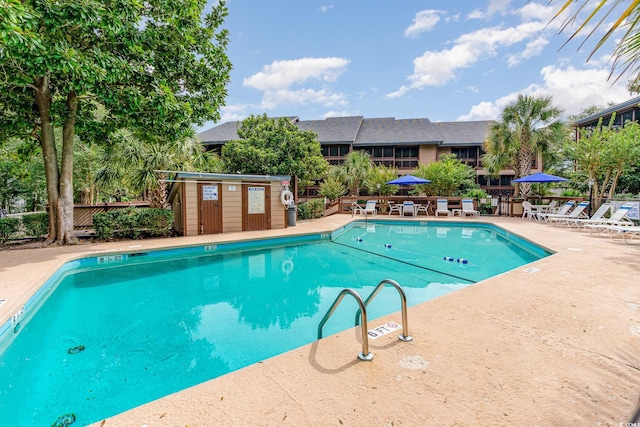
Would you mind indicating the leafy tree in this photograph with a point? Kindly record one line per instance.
(354, 170)
(155, 66)
(528, 126)
(274, 147)
(603, 155)
(379, 175)
(332, 189)
(449, 177)
(22, 175)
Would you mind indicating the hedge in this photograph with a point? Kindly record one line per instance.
(132, 223)
(313, 208)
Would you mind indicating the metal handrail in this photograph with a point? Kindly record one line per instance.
(403, 300)
(365, 355)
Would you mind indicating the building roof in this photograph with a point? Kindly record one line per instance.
(334, 129)
(463, 133)
(389, 131)
(362, 132)
(633, 102)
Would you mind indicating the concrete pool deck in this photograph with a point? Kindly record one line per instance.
(552, 343)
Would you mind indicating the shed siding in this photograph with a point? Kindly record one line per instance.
(191, 208)
(232, 207)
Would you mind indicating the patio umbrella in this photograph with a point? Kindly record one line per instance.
(540, 177)
(408, 180)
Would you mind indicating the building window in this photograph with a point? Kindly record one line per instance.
(468, 155)
(406, 157)
(335, 154)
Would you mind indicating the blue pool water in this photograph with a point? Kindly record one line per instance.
(119, 331)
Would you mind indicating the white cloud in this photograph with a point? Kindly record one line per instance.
(281, 82)
(342, 113)
(533, 48)
(273, 99)
(437, 68)
(424, 21)
(494, 7)
(325, 9)
(572, 90)
(282, 74)
(231, 113)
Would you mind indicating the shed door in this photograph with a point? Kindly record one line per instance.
(209, 209)
(256, 207)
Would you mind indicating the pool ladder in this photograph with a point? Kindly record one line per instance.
(362, 313)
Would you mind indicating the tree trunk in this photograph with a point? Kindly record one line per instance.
(48, 144)
(59, 180)
(66, 233)
(522, 168)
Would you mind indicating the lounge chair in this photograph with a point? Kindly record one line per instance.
(597, 215)
(369, 208)
(618, 218)
(563, 210)
(394, 207)
(468, 208)
(627, 232)
(408, 207)
(578, 212)
(442, 207)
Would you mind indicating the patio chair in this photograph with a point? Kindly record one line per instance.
(442, 207)
(423, 208)
(597, 215)
(578, 212)
(369, 208)
(394, 207)
(408, 207)
(563, 210)
(468, 208)
(527, 211)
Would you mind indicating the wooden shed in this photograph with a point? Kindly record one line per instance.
(209, 203)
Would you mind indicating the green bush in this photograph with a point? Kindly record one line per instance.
(9, 228)
(131, 223)
(311, 209)
(157, 222)
(36, 225)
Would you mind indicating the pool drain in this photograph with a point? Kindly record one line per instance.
(65, 420)
(76, 350)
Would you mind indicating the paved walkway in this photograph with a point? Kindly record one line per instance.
(553, 345)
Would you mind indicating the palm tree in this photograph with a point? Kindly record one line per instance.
(528, 126)
(354, 170)
(142, 162)
(622, 14)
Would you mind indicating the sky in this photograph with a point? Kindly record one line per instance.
(444, 60)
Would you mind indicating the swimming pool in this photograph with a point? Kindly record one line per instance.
(122, 330)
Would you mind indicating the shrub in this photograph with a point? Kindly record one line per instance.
(9, 227)
(311, 209)
(36, 225)
(157, 222)
(131, 223)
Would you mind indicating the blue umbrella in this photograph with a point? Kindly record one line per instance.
(408, 180)
(540, 177)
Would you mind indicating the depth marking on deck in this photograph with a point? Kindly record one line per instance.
(383, 330)
(2, 301)
(531, 269)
